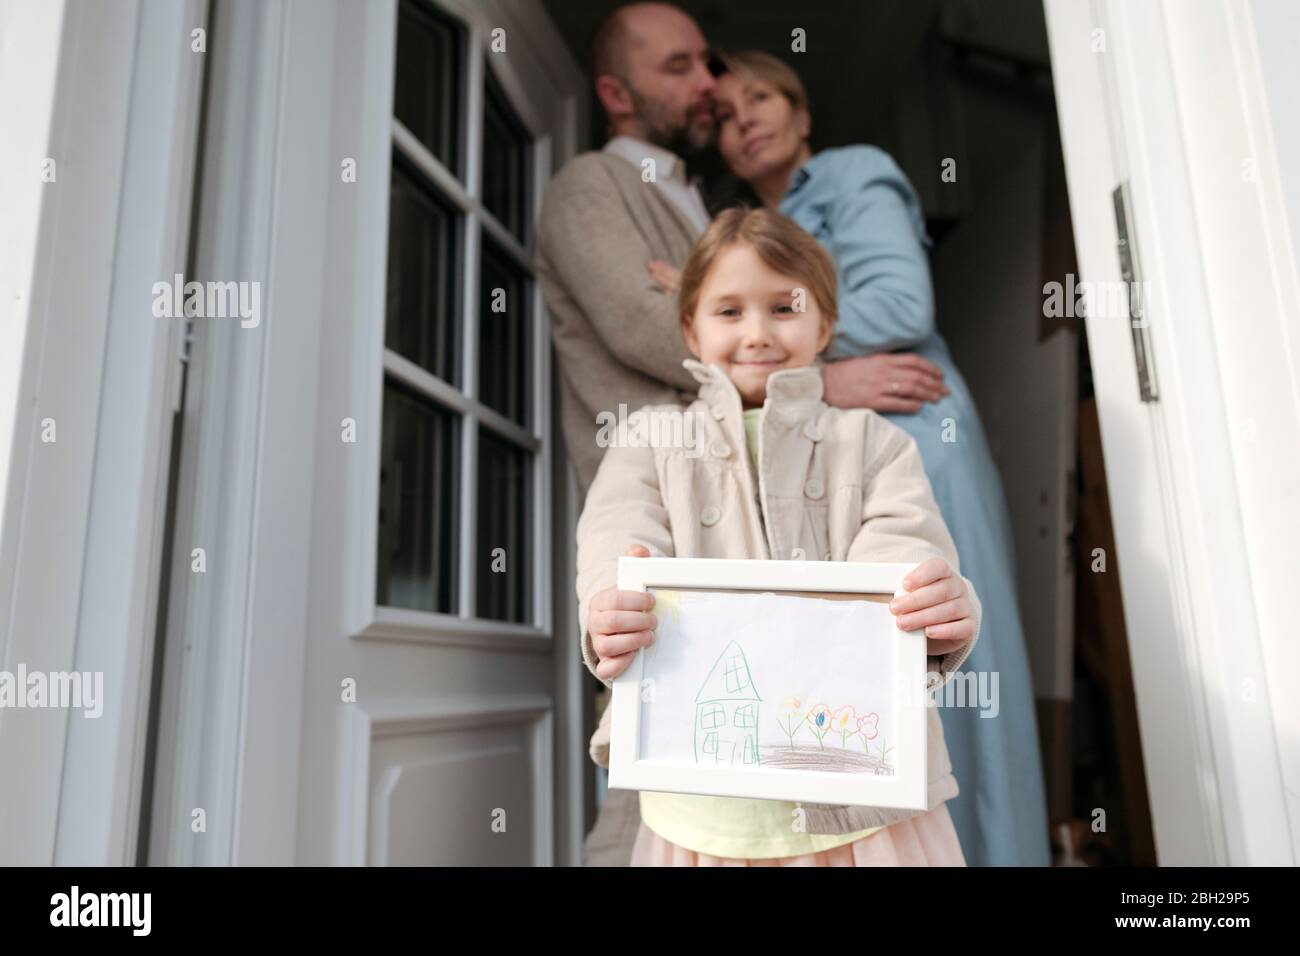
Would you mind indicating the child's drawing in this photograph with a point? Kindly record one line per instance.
(710, 682)
(842, 726)
(726, 712)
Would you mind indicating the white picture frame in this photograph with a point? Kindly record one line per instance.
(907, 786)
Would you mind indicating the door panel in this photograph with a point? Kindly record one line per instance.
(395, 703)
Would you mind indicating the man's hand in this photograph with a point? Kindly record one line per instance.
(885, 382)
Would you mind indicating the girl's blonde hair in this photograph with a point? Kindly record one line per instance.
(782, 244)
(775, 72)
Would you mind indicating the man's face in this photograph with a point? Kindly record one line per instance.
(669, 80)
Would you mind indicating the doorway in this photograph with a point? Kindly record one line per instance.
(967, 88)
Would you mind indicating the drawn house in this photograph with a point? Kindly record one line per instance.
(726, 712)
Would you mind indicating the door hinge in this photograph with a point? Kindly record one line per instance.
(184, 343)
(1138, 301)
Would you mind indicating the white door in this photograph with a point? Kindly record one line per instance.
(366, 669)
(1197, 400)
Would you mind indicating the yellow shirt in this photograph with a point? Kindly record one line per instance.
(737, 827)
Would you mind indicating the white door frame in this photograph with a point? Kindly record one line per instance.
(1174, 105)
(307, 85)
(244, 431)
(110, 93)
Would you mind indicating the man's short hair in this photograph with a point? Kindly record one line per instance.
(609, 46)
(610, 41)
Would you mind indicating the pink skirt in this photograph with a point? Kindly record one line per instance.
(927, 839)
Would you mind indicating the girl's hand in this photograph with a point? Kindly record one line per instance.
(665, 276)
(937, 601)
(884, 382)
(620, 624)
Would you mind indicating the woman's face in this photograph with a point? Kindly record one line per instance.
(752, 321)
(758, 129)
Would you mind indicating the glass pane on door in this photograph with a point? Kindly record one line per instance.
(504, 363)
(418, 553)
(505, 162)
(421, 323)
(504, 556)
(427, 96)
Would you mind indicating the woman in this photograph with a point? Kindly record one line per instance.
(862, 208)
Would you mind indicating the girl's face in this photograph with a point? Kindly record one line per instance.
(758, 130)
(746, 321)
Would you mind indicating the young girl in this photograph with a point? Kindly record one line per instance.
(774, 473)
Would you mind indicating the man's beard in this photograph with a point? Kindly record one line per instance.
(682, 139)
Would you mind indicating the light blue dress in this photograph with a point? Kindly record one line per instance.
(862, 208)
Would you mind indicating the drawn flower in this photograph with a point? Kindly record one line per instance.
(845, 722)
(792, 717)
(819, 721)
(868, 727)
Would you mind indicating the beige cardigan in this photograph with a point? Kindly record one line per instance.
(834, 484)
(617, 334)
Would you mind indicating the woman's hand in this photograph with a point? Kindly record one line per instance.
(620, 624)
(937, 601)
(884, 382)
(665, 276)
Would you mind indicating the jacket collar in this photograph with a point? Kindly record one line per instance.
(793, 394)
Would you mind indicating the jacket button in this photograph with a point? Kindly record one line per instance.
(812, 432)
(720, 449)
(813, 488)
(710, 516)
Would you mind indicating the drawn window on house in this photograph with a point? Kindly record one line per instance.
(737, 674)
(711, 716)
(461, 444)
(745, 716)
(711, 743)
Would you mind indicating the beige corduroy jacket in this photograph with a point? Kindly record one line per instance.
(834, 484)
(617, 335)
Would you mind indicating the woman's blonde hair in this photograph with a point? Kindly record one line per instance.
(782, 244)
(775, 72)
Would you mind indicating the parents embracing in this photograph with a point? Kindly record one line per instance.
(861, 207)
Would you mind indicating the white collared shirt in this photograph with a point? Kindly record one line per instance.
(670, 176)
